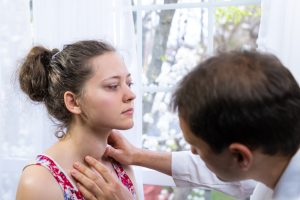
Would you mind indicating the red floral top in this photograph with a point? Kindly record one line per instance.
(70, 190)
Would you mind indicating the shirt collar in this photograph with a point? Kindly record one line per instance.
(288, 186)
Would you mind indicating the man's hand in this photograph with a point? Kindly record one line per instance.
(127, 154)
(104, 185)
(121, 150)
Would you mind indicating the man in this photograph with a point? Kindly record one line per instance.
(240, 112)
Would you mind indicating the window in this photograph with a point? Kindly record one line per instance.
(172, 36)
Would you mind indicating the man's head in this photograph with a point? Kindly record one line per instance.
(243, 97)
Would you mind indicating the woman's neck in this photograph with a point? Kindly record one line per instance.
(85, 141)
(79, 142)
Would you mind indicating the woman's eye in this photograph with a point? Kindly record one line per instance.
(130, 84)
(112, 87)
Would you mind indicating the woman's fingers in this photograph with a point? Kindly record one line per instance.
(87, 178)
(88, 172)
(98, 183)
(101, 169)
(87, 195)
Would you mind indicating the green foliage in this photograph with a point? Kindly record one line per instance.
(235, 15)
(215, 195)
(163, 58)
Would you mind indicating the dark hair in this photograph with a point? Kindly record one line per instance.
(46, 75)
(242, 96)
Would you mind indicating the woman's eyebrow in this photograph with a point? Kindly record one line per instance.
(117, 77)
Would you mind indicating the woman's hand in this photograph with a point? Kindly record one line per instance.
(98, 184)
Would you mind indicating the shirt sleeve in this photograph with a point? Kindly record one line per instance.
(188, 170)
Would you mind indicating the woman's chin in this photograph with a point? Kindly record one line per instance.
(126, 126)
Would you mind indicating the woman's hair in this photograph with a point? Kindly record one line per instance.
(46, 75)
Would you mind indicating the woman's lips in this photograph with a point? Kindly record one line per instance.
(128, 111)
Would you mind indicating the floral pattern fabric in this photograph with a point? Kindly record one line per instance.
(70, 190)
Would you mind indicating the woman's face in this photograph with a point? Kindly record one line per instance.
(107, 100)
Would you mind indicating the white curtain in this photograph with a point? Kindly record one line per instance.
(280, 32)
(25, 127)
(20, 137)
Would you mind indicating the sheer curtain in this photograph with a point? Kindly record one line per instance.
(19, 135)
(280, 32)
(25, 127)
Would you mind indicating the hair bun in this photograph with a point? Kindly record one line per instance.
(33, 75)
(45, 59)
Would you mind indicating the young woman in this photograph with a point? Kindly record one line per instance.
(86, 89)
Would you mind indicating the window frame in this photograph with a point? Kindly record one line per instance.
(151, 177)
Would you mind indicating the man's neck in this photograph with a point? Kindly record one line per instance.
(269, 168)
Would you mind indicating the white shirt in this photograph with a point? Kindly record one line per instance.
(189, 170)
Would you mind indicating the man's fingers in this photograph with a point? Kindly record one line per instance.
(113, 137)
(107, 151)
(111, 152)
(101, 169)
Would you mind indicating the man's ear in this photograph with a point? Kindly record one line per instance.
(71, 103)
(242, 155)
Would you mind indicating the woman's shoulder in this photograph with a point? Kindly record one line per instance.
(36, 182)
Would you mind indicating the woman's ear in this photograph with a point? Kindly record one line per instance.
(71, 103)
(242, 155)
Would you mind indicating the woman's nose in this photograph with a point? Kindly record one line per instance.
(129, 95)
